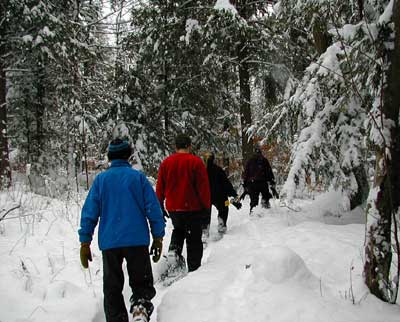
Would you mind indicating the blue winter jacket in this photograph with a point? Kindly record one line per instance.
(125, 202)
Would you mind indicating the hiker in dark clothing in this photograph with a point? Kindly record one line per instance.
(257, 178)
(221, 188)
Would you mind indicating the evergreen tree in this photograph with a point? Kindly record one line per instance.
(172, 78)
(331, 103)
(49, 84)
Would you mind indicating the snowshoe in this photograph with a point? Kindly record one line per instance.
(251, 212)
(266, 204)
(175, 269)
(222, 229)
(221, 226)
(139, 313)
(205, 236)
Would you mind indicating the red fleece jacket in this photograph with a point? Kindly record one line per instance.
(183, 183)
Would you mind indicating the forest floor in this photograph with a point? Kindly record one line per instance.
(279, 264)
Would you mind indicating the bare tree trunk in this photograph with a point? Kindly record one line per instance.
(5, 170)
(322, 39)
(39, 115)
(37, 146)
(361, 195)
(381, 211)
(245, 11)
(245, 108)
(360, 9)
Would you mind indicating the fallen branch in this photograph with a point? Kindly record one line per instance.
(8, 211)
(18, 217)
(290, 208)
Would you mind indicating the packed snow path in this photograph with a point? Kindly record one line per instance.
(279, 265)
(276, 265)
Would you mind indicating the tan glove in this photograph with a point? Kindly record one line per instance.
(86, 254)
(156, 249)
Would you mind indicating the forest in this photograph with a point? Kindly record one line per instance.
(315, 83)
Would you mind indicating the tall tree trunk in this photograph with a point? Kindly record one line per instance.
(244, 8)
(36, 155)
(322, 39)
(361, 195)
(39, 115)
(360, 4)
(5, 170)
(245, 108)
(385, 203)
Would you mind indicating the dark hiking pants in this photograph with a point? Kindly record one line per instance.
(255, 188)
(140, 280)
(222, 211)
(188, 226)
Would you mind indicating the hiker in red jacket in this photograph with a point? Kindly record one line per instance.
(183, 184)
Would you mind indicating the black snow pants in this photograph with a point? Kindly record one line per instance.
(140, 280)
(188, 226)
(255, 188)
(223, 210)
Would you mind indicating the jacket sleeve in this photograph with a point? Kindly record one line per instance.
(202, 184)
(90, 213)
(152, 209)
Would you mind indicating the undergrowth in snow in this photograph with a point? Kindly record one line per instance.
(279, 264)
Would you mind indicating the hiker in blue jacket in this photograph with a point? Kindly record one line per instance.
(126, 204)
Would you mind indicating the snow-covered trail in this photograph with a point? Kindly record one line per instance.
(279, 265)
(276, 265)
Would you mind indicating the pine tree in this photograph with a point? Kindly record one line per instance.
(331, 102)
(50, 89)
(173, 78)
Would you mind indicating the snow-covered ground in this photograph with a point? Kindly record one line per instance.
(276, 265)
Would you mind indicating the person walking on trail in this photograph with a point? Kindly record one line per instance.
(257, 178)
(126, 204)
(221, 189)
(183, 184)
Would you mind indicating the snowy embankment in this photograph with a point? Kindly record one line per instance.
(277, 265)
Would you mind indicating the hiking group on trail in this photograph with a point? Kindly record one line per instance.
(123, 203)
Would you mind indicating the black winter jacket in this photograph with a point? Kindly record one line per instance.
(258, 169)
(220, 186)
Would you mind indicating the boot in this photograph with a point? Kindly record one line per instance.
(266, 204)
(221, 226)
(139, 314)
(141, 310)
(205, 234)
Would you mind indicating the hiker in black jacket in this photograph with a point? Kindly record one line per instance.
(257, 178)
(221, 189)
